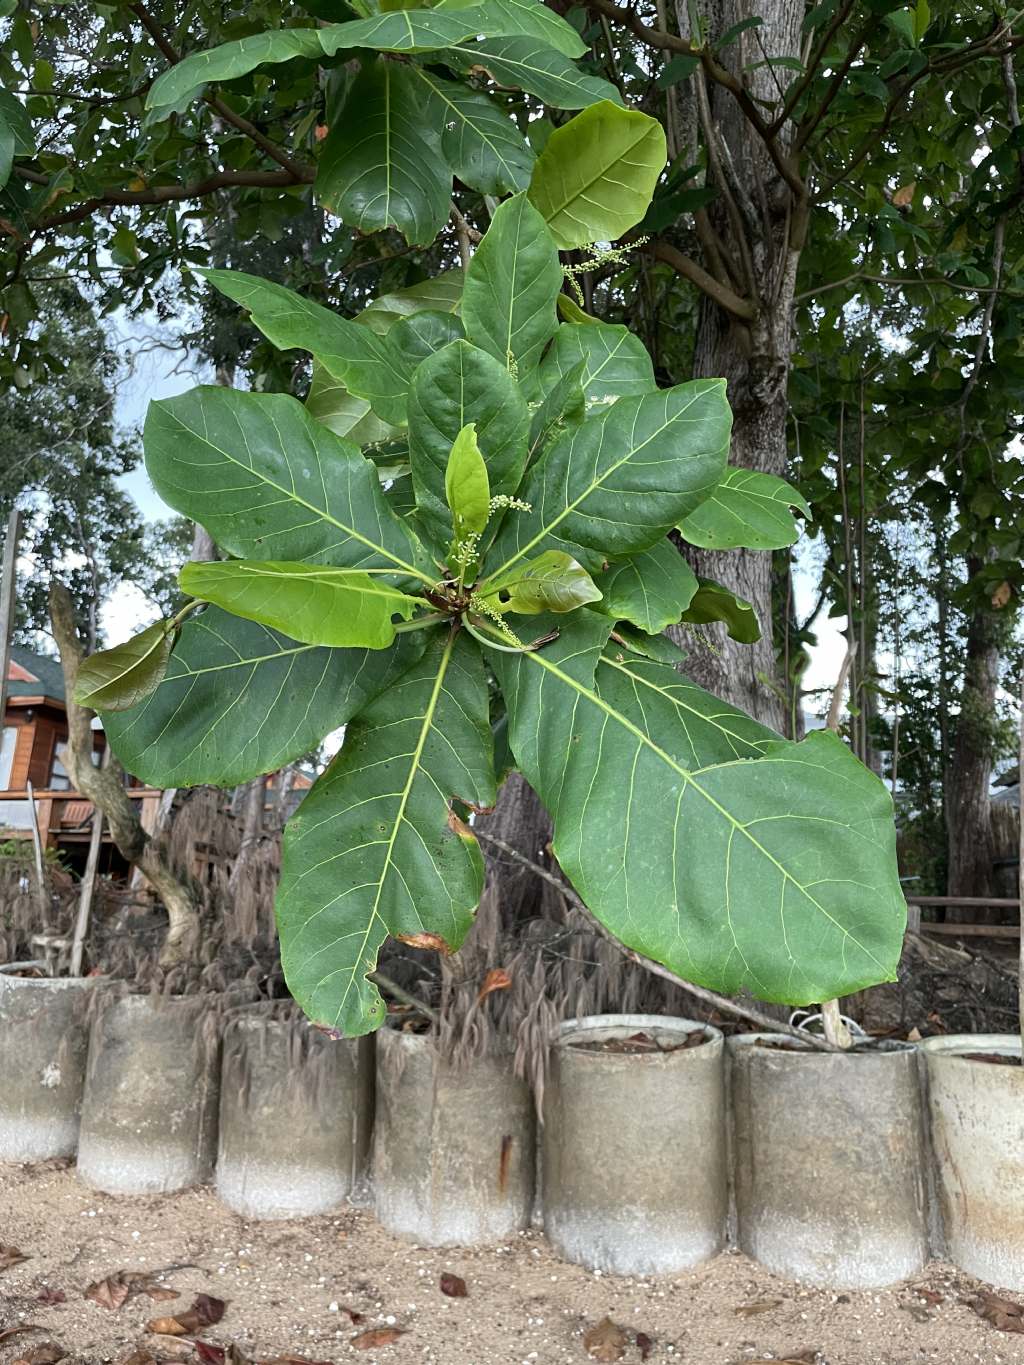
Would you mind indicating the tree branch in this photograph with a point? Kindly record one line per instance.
(738, 307)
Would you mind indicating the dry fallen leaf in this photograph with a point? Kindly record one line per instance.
(606, 1341)
(209, 1354)
(376, 1336)
(140, 1357)
(453, 1285)
(51, 1296)
(433, 942)
(47, 1353)
(751, 1310)
(804, 1358)
(645, 1345)
(160, 1293)
(111, 1292)
(497, 979)
(1002, 1313)
(10, 1256)
(205, 1312)
(904, 195)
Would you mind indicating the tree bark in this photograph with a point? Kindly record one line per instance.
(105, 788)
(969, 828)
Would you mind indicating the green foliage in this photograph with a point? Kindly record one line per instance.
(531, 571)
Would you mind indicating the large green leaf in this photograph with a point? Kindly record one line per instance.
(532, 65)
(316, 604)
(378, 169)
(551, 582)
(17, 139)
(508, 302)
(423, 30)
(331, 403)
(238, 699)
(269, 482)
(712, 602)
(747, 509)
(374, 848)
(367, 364)
(421, 334)
(479, 141)
(530, 17)
(458, 386)
(606, 488)
(652, 589)
(615, 362)
(118, 679)
(442, 293)
(564, 405)
(596, 175)
(741, 861)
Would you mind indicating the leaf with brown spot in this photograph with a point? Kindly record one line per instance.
(111, 1292)
(1003, 1314)
(497, 979)
(606, 1341)
(376, 1336)
(645, 1345)
(46, 1353)
(751, 1310)
(10, 1257)
(453, 1285)
(432, 942)
(51, 1296)
(1001, 595)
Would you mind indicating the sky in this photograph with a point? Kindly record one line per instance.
(159, 370)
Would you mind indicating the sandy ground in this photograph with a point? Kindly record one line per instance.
(288, 1286)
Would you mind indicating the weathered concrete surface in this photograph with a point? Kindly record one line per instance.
(635, 1148)
(289, 1117)
(977, 1133)
(453, 1150)
(149, 1113)
(43, 1045)
(829, 1165)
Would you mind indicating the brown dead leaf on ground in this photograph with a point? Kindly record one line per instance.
(160, 1293)
(645, 1345)
(376, 1336)
(205, 1312)
(47, 1353)
(51, 1296)
(111, 1292)
(453, 1285)
(751, 1310)
(497, 979)
(10, 1257)
(804, 1358)
(606, 1341)
(1003, 1314)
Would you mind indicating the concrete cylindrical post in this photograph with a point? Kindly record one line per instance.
(976, 1111)
(289, 1113)
(149, 1113)
(829, 1171)
(43, 1045)
(453, 1147)
(635, 1146)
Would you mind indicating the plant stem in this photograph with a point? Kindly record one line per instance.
(832, 1021)
(400, 993)
(720, 1002)
(419, 622)
(1020, 869)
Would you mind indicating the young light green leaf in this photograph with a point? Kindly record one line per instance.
(615, 362)
(652, 589)
(238, 700)
(458, 386)
(606, 489)
(479, 141)
(508, 303)
(466, 485)
(711, 602)
(596, 175)
(365, 363)
(748, 509)
(570, 311)
(717, 824)
(551, 582)
(375, 849)
(377, 167)
(532, 65)
(269, 482)
(315, 604)
(119, 678)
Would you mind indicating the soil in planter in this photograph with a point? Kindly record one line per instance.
(998, 1058)
(639, 1044)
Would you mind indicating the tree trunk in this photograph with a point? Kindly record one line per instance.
(252, 801)
(969, 828)
(105, 788)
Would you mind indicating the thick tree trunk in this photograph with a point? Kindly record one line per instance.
(969, 828)
(104, 787)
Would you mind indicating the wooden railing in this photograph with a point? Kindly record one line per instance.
(62, 813)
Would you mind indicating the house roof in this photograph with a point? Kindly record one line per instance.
(34, 675)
